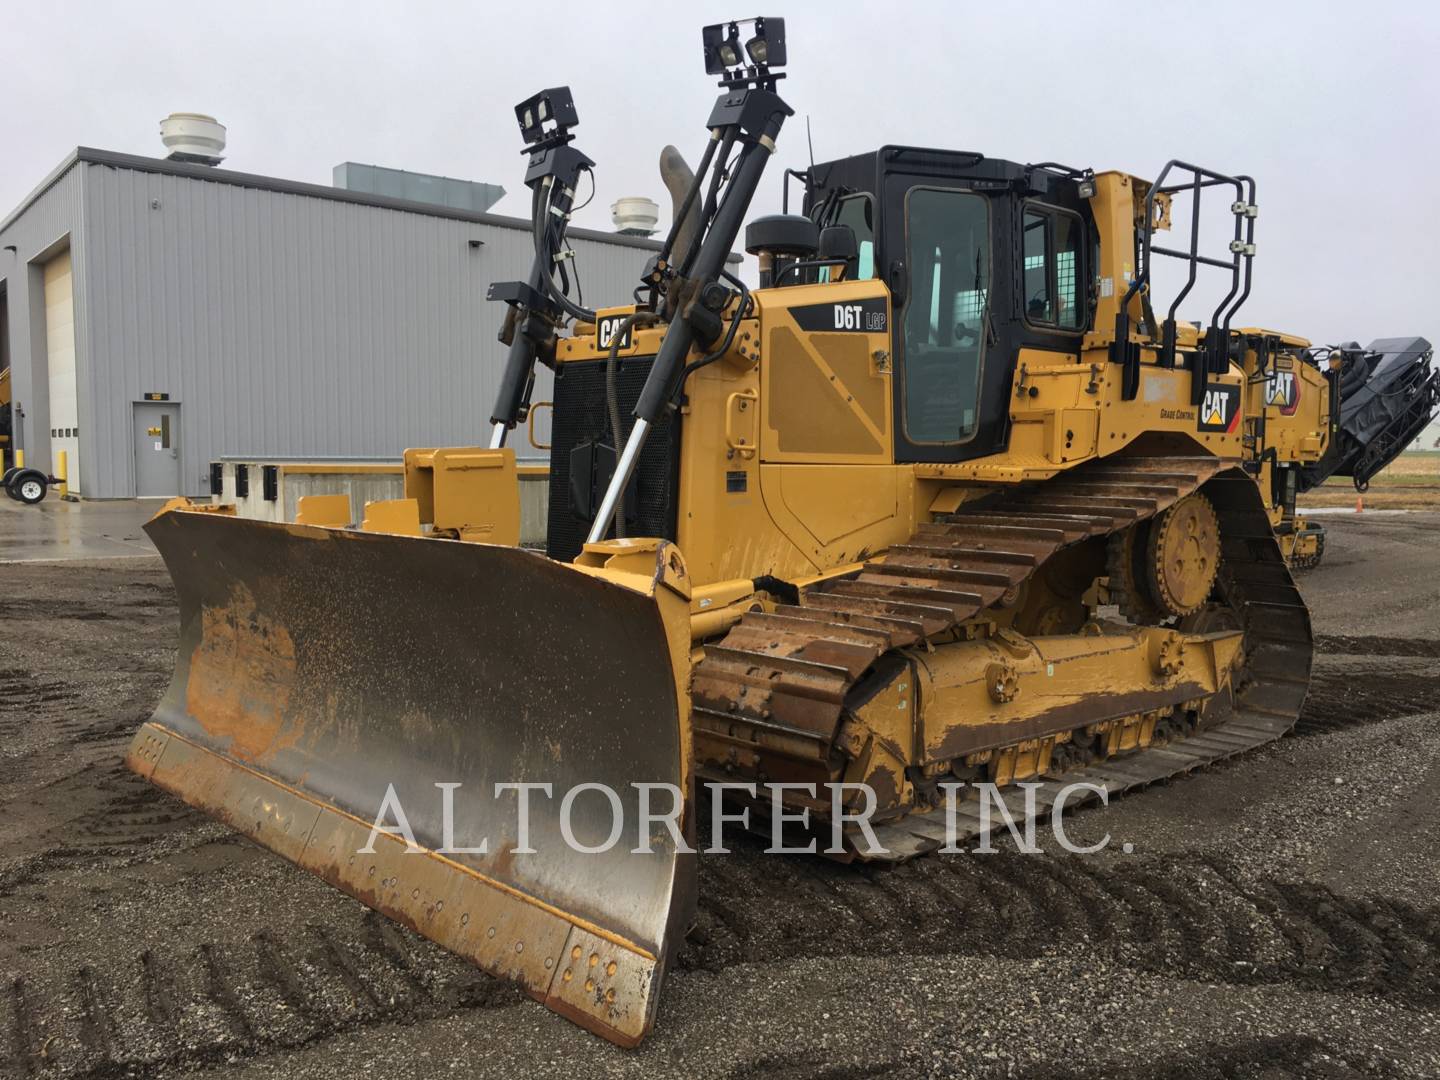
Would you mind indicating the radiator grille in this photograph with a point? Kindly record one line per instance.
(580, 416)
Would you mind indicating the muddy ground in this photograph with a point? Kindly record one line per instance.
(1279, 915)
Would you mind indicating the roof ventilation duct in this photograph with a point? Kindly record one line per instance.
(193, 137)
(635, 216)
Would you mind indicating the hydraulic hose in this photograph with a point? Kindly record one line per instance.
(548, 236)
(550, 193)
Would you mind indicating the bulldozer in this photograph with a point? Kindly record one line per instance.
(1388, 393)
(947, 498)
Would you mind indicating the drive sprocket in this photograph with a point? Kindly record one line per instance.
(1166, 567)
(1182, 555)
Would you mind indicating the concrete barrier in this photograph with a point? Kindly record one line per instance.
(275, 486)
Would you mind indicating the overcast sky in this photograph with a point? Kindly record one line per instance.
(1331, 106)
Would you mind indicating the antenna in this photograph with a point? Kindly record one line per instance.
(810, 143)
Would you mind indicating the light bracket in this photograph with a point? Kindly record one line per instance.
(752, 62)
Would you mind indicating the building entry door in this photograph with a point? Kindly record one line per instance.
(157, 450)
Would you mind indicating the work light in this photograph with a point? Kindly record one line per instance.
(766, 48)
(555, 104)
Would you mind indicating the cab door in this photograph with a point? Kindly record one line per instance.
(948, 367)
(980, 272)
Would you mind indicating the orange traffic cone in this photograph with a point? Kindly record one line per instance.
(1359, 504)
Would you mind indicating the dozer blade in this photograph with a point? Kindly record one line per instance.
(320, 670)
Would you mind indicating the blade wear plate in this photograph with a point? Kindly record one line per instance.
(320, 669)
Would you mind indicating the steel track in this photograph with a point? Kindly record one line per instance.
(778, 683)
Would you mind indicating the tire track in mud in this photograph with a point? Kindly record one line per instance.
(1365, 645)
(24, 1049)
(51, 609)
(22, 691)
(1343, 699)
(105, 817)
(1385, 689)
(215, 1001)
(152, 599)
(133, 817)
(1189, 917)
(87, 656)
(804, 1067)
(1281, 1057)
(1277, 1057)
(38, 712)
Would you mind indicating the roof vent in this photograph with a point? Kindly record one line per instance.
(635, 216)
(193, 137)
(417, 187)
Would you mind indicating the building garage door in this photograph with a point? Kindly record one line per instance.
(60, 361)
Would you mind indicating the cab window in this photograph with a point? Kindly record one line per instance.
(1051, 252)
(858, 211)
(948, 238)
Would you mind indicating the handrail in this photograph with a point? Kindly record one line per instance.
(1215, 355)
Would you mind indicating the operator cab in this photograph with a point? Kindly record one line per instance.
(983, 258)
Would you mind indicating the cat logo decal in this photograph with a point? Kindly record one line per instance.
(1220, 411)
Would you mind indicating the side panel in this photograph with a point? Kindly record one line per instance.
(1296, 402)
(786, 463)
(725, 528)
(827, 418)
(838, 514)
(826, 374)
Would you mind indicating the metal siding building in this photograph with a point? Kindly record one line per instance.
(281, 319)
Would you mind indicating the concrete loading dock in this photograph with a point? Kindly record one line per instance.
(269, 489)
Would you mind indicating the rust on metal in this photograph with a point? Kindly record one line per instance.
(242, 669)
(320, 670)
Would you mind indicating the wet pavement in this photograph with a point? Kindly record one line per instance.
(55, 529)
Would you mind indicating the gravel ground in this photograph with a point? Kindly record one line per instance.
(1277, 917)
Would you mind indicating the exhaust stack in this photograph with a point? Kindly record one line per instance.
(677, 177)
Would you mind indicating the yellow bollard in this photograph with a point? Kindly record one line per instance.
(62, 471)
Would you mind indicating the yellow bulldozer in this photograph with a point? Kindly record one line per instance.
(946, 499)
